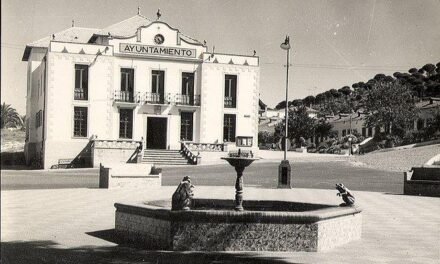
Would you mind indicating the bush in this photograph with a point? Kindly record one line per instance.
(408, 138)
(311, 150)
(311, 146)
(265, 137)
(335, 149)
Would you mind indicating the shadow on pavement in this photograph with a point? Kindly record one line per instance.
(107, 235)
(46, 251)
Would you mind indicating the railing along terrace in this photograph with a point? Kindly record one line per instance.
(184, 99)
(124, 96)
(229, 102)
(205, 146)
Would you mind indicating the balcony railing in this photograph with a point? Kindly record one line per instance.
(184, 99)
(153, 98)
(80, 94)
(229, 102)
(157, 98)
(124, 96)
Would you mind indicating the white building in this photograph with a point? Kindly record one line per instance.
(135, 81)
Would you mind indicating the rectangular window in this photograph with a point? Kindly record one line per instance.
(370, 131)
(229, 128)
(420, 124)
(125, 123)
(127, 85)
(344, 132)
(188, 83)
(230, 91)
(186, 126)
(364, 131)
(187, 91)
(80, 122)
(37, 119)
(81, 82)
(158, 86)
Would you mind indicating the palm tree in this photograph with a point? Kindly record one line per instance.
(10, 117)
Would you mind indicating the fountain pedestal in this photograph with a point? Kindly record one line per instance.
(239, 163)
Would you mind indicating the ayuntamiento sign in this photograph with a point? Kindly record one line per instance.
(156, 51)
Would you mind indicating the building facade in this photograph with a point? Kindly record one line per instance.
(137, 80)
(356, 122)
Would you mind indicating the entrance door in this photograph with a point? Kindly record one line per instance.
(156, 133)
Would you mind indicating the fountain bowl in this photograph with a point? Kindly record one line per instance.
(213, 225)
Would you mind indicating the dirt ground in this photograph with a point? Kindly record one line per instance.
(12, 140)
(397, 160)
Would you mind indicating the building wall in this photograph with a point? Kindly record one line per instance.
(60, 142)
(425, 115)
(357, 123)
(246, 111)
(34, 103)
(104, 79)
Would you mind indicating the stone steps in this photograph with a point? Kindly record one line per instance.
(164, 157)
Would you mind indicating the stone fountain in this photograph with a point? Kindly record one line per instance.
(239, 161)
(237, 225)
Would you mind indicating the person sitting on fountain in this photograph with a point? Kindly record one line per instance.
(346, 195)
(182, 197)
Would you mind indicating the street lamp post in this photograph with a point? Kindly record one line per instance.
(284, 170)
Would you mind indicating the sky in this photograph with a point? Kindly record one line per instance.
(334, 42)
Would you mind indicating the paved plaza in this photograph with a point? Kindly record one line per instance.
(76, 226)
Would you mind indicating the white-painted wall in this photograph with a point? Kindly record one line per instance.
(105, 63)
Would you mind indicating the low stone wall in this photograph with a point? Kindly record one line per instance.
(227, 230)
(114, 151)
(128, 176)
(422, 181)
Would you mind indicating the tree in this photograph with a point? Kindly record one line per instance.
(281, 105)
(429, 68)
(434, 125)
(300, 124)
(309, 100)
(296, 102)
(265, 137)
(390, 104)
(323, 128)
(346, 91)
(9, 117)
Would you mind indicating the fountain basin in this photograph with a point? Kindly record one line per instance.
(263, 226)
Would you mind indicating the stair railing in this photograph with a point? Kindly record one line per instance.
(191, 157)
(140, 150)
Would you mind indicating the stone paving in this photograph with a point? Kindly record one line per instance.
(75, 226)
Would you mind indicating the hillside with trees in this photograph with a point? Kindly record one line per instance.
(390, 102)
(422, 82)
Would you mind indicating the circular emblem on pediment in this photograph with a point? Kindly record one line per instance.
(159, 39)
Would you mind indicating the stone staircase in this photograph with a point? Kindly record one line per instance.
(164, 157)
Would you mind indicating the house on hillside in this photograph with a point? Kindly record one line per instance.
(355, 122)
(134, 85)
(427, 110)
(345, 124)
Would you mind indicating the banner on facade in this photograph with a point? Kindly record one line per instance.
(156, 51)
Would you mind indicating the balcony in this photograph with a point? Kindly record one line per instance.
(124, 96)
(153, 98)
(229, 102)
(130, 99)
(125, 99)
(189, 100)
